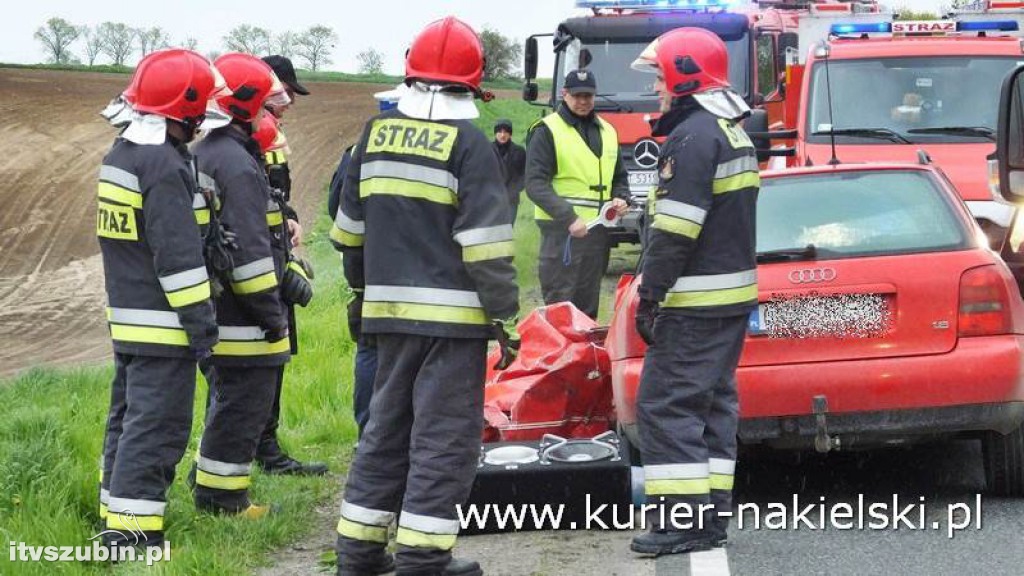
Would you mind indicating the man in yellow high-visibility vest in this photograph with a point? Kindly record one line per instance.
(573, 167)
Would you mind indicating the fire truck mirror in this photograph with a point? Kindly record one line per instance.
(1010, 139)
(530, 59)
(756, 126)
(530, 91)
(786, 41)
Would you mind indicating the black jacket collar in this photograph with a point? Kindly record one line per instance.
(681, 109)
(574, 120)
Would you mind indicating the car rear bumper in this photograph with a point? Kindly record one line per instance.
(881, 428)
(977, 386)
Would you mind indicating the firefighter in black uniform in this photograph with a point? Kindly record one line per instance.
(251, 314)
(423, 202)
(158, 291)
(698, 287)
(271, 458)
(513, 160)
(573, 167)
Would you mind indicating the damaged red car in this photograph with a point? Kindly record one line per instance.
(883, 320)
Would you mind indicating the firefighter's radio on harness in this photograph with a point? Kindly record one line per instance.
(218, 243)
(296, 285)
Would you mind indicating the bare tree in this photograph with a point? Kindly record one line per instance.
(213, 55)
(93, 44)
(56, 37)
(315, 45)
(190, 43)
(152, 39)
(249, 39)
(117, 41)
(371, 61)
(284, 44)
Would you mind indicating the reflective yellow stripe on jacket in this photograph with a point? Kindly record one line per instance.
(137, 326)
(713, 290)
(424, 304)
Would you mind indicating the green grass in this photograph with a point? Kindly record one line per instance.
(72, 67)
(53, 425)
(53, 422)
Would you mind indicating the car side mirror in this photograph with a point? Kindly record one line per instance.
(1010, 137)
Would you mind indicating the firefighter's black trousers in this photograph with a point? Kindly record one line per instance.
(580, 281)
(241, 398)
(147, 432)
(417, 457)
(268, 448)
(687, 413)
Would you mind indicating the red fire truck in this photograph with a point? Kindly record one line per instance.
(886, 91)
(609, 34)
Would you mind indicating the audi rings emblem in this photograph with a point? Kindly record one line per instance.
(645, 153)
(812, 275)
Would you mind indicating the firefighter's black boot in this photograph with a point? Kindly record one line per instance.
(385, 564)
(284, 464)
(659, 542)
(718, 530)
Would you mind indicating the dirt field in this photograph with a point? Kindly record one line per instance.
(51, 285)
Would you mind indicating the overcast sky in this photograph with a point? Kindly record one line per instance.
(385, 25)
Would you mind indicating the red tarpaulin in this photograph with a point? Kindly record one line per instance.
(560, 383)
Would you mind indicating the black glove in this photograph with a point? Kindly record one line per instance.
(507, 335)
(276, 334)
(646, 313)
(296, 288)
(355, 317)
(201, 354)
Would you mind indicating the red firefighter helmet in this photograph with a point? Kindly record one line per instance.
(447, 51)
(251, 82)
(175, 84)
(266, 133)
(692, 60)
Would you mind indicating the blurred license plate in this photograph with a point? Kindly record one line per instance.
(638, 179)
(833, 316)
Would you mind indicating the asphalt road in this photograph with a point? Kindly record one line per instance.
(947, 476)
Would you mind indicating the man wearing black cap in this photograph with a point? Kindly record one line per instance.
(513, 159)
(269, 454)
(573, 167)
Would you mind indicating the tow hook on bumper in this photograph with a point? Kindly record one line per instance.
(822, 441)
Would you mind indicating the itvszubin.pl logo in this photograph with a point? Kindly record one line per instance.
(132, 547)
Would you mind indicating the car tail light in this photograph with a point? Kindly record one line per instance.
(984, 303)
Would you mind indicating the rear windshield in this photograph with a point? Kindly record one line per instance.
(858, 213)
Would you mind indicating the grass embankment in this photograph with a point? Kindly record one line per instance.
(53, 421)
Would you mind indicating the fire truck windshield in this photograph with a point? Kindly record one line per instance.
(909, 100)
(625, 89)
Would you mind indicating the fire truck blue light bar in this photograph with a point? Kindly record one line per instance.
(996, 25)
(874, 28)
(652, 4)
